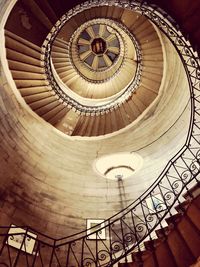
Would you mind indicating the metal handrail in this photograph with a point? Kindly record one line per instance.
(126, 230)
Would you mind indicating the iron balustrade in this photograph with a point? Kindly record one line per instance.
(126, 230)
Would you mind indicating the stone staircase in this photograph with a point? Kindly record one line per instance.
(28, 74)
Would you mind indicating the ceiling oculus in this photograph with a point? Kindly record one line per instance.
(98, 46)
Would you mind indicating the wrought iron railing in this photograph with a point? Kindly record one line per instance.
(126, 230)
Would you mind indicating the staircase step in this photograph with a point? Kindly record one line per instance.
(36, 97)
(150, 84)
(40, 103)
(150, 44)
(63, 69)
(22, 75)
(67, 74)
(155, 58)
(163, 233)
(30, 83)
(145, 26)
(58, 65)
(164, 256)
(61, 43)
(149, 259)
(103, 127)
(193, 213)
(59, 55)
(21, 41)
(152, 76)
(90, 126)
(146, 96)
(179, 249)
(137, 259)
(151, 64)
(71, 78)
(138, 23)
(17, 56)
(82, 127)
(60, 60)
(78, 126)
(34, 90)
(50, 114)
(190, 234)
(145, 33)
(47, 107)
(20, 66)
(196, 202)
(95, 128)
(124, 115)
(58, 49)
(22, 48)
(62, 113)
(182, 206)
(194, 191)
(152, 51)
(148, 38)
(154, 70)
(174, 219)
(128, 18)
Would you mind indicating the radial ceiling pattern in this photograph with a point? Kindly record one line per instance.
(98, 46)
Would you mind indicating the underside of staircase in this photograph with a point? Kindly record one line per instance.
(178, 244)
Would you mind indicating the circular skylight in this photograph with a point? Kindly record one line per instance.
(98, 45)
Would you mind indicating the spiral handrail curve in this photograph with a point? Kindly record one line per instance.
(126, 230)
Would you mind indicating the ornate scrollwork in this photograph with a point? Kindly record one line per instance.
(186, 175)
(88, 262)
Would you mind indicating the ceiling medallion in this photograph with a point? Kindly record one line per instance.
(98, 46)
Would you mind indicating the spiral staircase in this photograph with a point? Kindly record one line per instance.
(96, 84)
(95, 72)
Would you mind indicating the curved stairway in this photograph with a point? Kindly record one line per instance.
(177, 244)
(49, 257)
(27, 68)
(28, 73)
